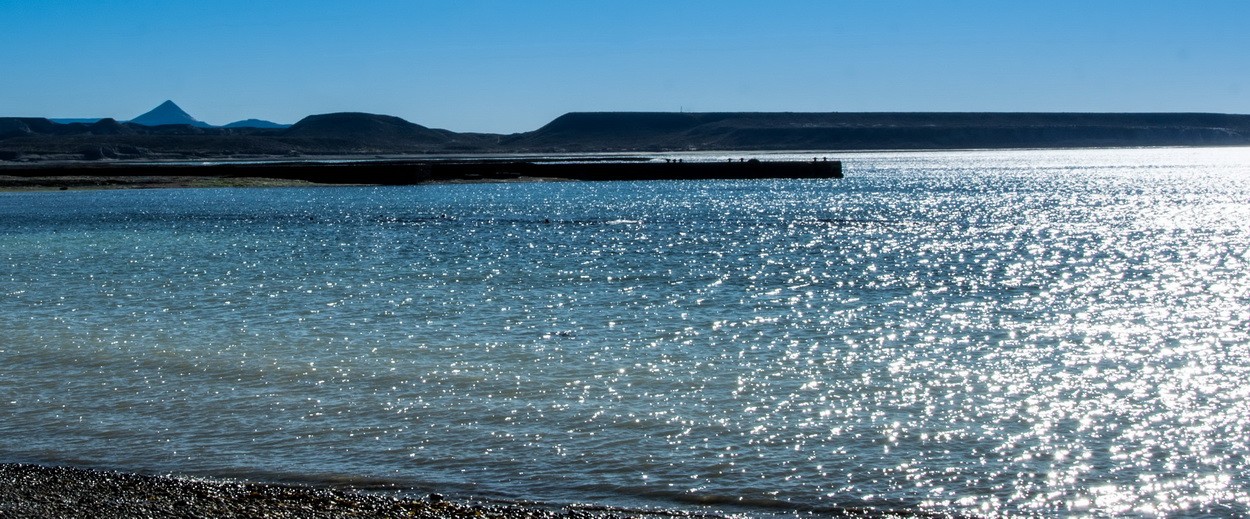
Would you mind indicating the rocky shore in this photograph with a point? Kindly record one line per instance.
(38, 491)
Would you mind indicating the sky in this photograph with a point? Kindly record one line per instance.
(512, 66)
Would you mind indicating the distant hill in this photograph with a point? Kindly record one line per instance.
(603, 131)
(109, 126)
(349, 133)
(168, 113)
(381, 133)
(39, 139)
(84, 120)
(256, 123)
(362, 127)
(23, 126)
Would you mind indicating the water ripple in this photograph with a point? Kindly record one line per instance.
(1001, 333)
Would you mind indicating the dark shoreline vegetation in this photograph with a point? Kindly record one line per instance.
(27, 140)
(54, 491)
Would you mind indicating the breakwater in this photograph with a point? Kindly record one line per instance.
(402, 172)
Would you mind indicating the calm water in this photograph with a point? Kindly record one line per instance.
(1003, 333)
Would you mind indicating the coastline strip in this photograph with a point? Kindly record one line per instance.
(39, 491)
(397, 172)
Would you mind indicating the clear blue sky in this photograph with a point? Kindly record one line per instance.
(508, 66)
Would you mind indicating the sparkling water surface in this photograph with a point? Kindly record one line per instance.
(990, 332)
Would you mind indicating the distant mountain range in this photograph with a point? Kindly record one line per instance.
(170, 113)
(169, 133)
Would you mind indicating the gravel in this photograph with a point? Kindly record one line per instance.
(38, 491)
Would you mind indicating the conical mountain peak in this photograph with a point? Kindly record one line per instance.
(167, 113)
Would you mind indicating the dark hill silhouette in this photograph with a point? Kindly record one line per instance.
(361, 133)
(381, 133)
(638, 124)
(168, 113)
(68, 120)
(36, 139)
(364, 127)
(256, 123)
(934, 130)
(109, 126)
(21, 126)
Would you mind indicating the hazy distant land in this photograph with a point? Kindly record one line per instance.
(41, 140)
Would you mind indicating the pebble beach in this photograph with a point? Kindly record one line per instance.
(40, 491)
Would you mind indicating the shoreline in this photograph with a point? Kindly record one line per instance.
(28, 490)
(402, 172)
(15, 184)
(10, 183)
(31, 490)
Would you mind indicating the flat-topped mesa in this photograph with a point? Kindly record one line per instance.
(586, 131)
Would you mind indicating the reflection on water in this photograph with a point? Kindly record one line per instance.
(1056, 332)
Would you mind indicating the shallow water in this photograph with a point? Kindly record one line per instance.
(996, 332)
